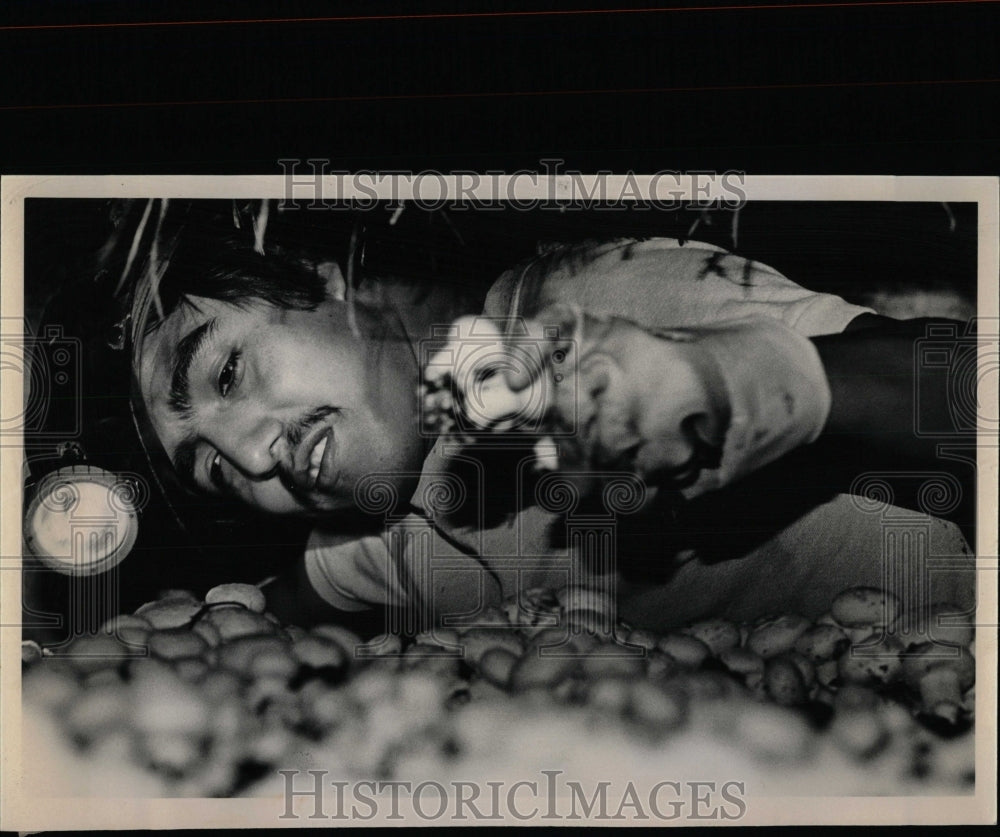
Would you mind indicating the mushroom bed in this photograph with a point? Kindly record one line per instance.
(210, 698)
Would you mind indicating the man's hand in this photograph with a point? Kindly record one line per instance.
(691, 409)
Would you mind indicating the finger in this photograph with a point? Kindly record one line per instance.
(548, 341)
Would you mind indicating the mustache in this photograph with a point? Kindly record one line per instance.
(296, 431)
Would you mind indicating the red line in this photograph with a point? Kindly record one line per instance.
(511, 94)
(511, 14)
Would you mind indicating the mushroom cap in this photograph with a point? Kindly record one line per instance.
(859, 607)
(718, 634)
(878, 663)
(944, 629)
(776, 635)
(927, 656)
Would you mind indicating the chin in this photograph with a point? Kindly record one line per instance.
(380, 492)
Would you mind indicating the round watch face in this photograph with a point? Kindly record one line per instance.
(82, 521)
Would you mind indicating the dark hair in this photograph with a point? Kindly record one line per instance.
(228, 269)
(208, 248)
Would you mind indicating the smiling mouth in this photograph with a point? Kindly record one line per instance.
(316, 458)
(313, 465)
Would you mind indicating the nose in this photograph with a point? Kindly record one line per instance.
(251, 441)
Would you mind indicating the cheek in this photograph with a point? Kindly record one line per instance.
(321, 371)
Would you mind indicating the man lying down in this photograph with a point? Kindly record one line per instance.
(706, 417)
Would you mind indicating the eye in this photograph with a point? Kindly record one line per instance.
(227, 375)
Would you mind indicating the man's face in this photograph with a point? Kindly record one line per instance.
(283, 410)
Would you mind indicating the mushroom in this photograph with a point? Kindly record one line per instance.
(943, 628)
(49, 687)
(969, 700)
(566, 690)
(163, 703)
(477, 641)
(96, 711)
(495, 665)
(101, 678)
(853, 697)
(169, 613)
(774, 734)
(172, 752)
(176, 594)
(687, 650)
(940, 676)
(489, 617)
(132, 630)
(823, 695)
(480, 690)
(658, 708)
(862, 733)
(346, 639)
(238, 656)
(387, 646)
(865, 607)
(826, 674)
(233, 620)
(208, 632)
(267, 744)
(191, 669)
(577, 597)
(31, 651)
(435, 636)
(871, 665)
(560, 638)
(88, 653)
(777, 635)
(718, 634)
(589, 620)
(822, 643)
(742, 661)
(660, 665)
(264, 691)
(784, 682)
(534, 669)
(642, 638)
(215, 776)
(610, 660)
(324, 706)
(431, 660)
(609, 696)
(176, 644)
(804, 665)
(535, 607)
(251, 597)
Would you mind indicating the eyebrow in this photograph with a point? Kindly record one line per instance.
(187, 350)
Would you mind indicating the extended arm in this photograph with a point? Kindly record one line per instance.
(884, 399)
(700, 409)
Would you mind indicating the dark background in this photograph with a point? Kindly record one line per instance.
(851, 88)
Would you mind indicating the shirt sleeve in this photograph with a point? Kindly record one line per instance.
(661, 283)
(350, 572)
(410, 564)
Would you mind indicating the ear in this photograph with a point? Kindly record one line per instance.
(336, 285)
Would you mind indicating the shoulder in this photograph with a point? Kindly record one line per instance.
(665, 283)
